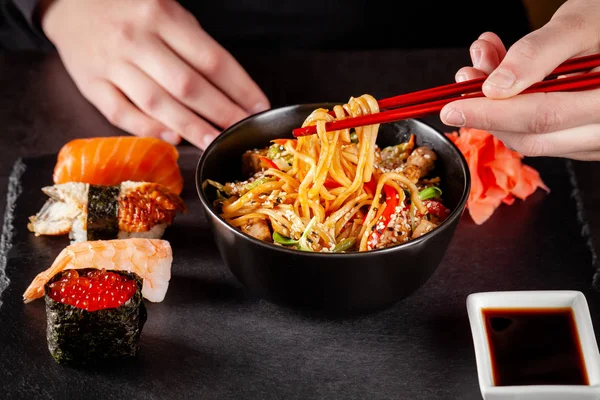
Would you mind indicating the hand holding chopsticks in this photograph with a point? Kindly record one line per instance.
(431, 101)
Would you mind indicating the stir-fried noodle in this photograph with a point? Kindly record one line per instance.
(335, 191)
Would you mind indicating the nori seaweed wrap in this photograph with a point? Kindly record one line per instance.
(103, 212)
(77, 336)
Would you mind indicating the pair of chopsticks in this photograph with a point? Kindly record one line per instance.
(431, 101)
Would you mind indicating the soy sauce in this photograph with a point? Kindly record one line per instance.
(534, 347)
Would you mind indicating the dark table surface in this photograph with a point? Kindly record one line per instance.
(41, 109)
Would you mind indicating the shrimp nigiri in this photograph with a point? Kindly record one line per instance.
(112, 160)
(148, 258)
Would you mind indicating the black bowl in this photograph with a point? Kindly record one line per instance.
(349, 283)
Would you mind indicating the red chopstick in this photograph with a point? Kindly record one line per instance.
(443, 95)
(570, 66)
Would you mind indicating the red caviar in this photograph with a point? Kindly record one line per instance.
(93, 290)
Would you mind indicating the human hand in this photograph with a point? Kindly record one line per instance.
(537, 124)
(150, 69)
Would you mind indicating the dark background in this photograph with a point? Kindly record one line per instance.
(330, 24)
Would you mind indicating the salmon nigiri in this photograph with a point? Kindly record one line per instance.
(112, 160)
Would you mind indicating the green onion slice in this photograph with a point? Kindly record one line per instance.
(302, 243)
(286, 241)
(344, 245)
(430, 193)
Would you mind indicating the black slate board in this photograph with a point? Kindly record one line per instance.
(210, 339)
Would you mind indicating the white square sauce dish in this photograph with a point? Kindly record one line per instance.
(534, 345)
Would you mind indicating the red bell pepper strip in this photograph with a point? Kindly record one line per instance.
(268, 163)
(391, 202)
(330, 183)
(436, 208)
(370, 187)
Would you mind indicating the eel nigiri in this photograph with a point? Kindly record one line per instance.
(150, 259)
(112, 160)
(99, 212)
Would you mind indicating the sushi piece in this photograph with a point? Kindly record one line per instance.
(97, 212)
(112, 160)
(150, 259)
(93, 315)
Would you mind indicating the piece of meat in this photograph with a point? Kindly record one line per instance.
(423, 227)
(251, 162)
(392, 238)
(257, 228)
(419, 163)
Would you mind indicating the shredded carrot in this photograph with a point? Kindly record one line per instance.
(498, 174)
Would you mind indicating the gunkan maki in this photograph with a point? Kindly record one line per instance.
(94, 315)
